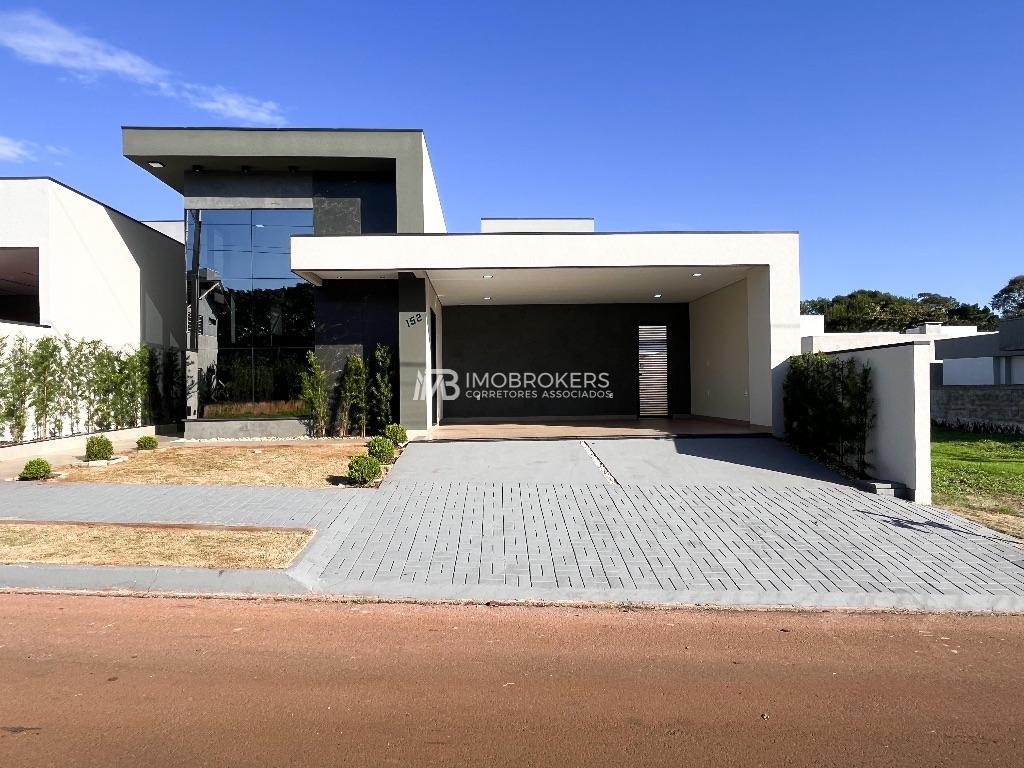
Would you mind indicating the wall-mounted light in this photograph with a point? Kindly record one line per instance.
(657, 295)
(488, 277)
(487, 298)
(155, 164)
(696, 274)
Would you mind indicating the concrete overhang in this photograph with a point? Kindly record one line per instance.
(170, 153)
(552, 268)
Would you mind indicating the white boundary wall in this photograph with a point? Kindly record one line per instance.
(899, 445)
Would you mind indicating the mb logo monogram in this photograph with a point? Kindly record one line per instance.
(444, 383)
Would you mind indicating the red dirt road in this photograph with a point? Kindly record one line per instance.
(111, 681)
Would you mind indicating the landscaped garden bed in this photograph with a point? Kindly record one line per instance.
(980, 476)
(169, 545)
(303, 465)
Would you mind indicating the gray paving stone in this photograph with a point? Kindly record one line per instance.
(808, 545)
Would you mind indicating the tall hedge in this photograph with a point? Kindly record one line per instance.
(60, 386)
(829, 409)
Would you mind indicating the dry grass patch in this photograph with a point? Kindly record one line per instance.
(313, 465)
(107, 544)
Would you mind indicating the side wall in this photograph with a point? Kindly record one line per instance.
(1000, 404)
(719, 355)
(899, 446)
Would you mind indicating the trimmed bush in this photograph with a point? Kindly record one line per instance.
(363, 469)
(98, 448)
(35, 469)
(382, 449)
(829, 409)
(396, 434)
(146, 443)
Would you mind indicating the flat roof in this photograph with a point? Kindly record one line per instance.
(169, 152)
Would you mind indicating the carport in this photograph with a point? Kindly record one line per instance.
(563, 333)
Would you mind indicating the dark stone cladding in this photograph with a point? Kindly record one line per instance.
(352, 317)
(354, 203)
(557, 338)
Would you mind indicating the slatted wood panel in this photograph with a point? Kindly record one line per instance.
(653, 345)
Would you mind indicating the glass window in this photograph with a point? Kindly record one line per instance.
(282, 312)
(283, 217)
(261, 313)
(276, 384)
(234, 314)
(227, 216)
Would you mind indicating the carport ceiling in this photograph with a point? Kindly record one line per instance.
(580, 285)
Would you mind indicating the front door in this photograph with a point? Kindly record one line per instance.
(653, 346)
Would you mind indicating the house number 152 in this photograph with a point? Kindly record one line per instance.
(412, 320)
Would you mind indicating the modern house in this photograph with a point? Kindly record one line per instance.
(985, 359)
(335, 241)
(978, 381)
(72, 265)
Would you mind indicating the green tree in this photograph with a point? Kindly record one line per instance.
(72, 395)
(46, 368)
(1009, 300)
(353, 396)
(864, 310)
(4, 384)
(19, 387)
(314, 394)
(380, 388)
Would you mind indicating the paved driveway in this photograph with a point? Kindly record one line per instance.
(737, 461)
(821, 546)
(498, 461)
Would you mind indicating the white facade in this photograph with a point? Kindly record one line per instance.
(102, 275)
(899, 444)
(969, 370)
(492, 225)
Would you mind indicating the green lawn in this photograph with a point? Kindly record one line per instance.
(980, 477)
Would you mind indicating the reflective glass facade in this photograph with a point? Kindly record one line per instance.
(251, 319)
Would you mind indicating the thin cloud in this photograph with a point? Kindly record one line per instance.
(15, 151)
(41, 40)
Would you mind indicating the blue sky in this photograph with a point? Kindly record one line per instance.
(891, 134)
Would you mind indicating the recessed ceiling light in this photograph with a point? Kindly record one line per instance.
(696, 274)
(657, 295)
(155, 164)
(487, 298)
(488, 277)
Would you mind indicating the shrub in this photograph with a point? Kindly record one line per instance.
(353, 395)
(35, 469)
(396, 434)
(314, 394)
(98, 448)
(380, 387)
(146, 443)
(363, 469)
(382, 449)
(828, 409)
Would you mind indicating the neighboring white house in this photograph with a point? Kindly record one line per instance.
(986, 359)
(72, 265)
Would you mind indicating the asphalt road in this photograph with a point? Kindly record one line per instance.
(110, 681)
